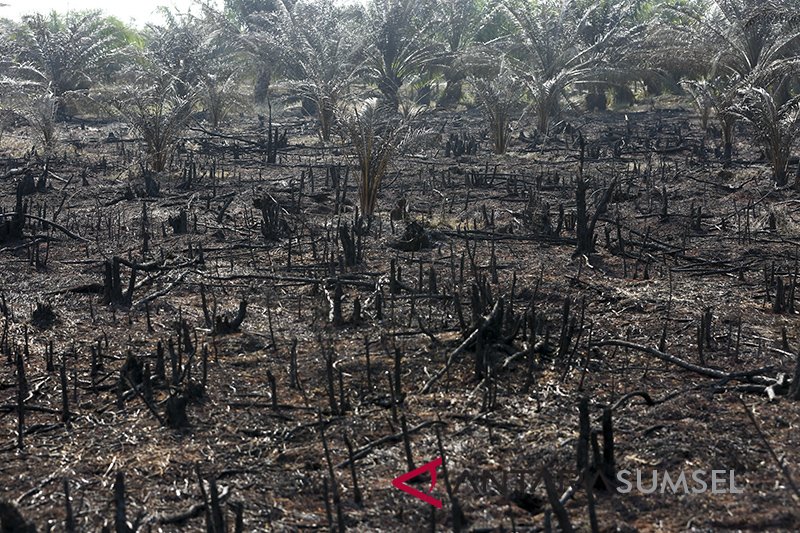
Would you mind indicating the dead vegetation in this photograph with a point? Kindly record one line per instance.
(255, 324)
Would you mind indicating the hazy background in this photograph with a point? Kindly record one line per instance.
(139, 12)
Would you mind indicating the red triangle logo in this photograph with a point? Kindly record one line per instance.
(400, 482)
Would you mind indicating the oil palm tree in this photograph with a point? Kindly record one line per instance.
(320, 51)
(719, 93)
(401, 44)
(738, 45)
(66, 54)
(153, 100)
(552, 52)
(499, 93)
(463, 27)
(154, 106)
(775, 126)
(205, 56)
(375, 133)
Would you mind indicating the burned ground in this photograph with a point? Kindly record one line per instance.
(288, 324)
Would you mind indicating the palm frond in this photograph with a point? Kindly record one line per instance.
(775, 126)
(375, 133)
(556, 50)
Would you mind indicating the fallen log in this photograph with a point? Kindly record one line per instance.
(396, 437)
(57, 226)
(747, 377)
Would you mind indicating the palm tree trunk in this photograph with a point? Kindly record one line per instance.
(543, 116)
(728, 123)
(780, 165)
(390, 88)
(261, 86)
(452, 91)
(325, 114)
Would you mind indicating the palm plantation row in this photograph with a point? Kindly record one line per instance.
(368, 72)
